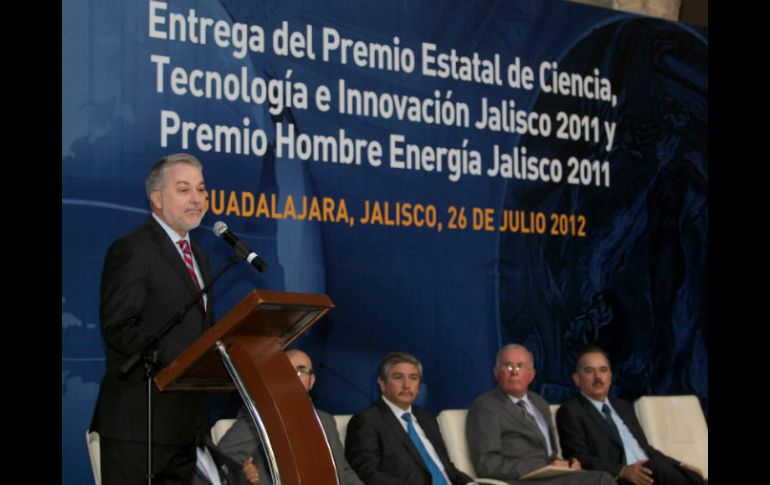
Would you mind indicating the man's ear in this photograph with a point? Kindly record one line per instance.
(534, 374)
(155, 200)
(311, 382)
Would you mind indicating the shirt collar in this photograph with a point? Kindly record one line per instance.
(396, 410)
(515, 399)
(172, 234)
(597, 404)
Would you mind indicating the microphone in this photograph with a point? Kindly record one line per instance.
(243, 251)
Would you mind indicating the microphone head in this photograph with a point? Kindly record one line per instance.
(219, 228)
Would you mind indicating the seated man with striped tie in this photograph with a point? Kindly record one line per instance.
(391, 443)
(604, 433)
(509, 429)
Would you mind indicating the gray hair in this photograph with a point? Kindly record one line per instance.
(157, 174)
(514, 347)
(394, 358)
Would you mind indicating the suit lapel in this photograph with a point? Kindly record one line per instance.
(631, 423)
(428, 429)
(545, 411)
(599, 420)
(167, 248)
(201, 260)
(391, 421)
(522, 422)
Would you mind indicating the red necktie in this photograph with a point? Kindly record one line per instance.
(188, 262)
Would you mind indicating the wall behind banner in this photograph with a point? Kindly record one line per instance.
(455, 175)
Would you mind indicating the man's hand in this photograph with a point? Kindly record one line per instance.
(637, 473)
(250, 471)
(572, 463)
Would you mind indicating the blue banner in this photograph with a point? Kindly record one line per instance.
(455, 175)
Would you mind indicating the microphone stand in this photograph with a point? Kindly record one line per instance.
(149, 354)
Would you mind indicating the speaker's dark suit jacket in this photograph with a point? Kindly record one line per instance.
(585, 434)
(144, 283)
(381, 452)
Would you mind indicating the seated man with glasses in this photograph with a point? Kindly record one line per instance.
(509, 429)
(241, 442)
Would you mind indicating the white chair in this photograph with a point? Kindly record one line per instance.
(220, 428)
(92, 440)
(556, 444)
(452, 424)
(342, 421)
(675, 425)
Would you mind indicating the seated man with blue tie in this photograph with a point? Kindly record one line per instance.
(509, 429)
(391, 443)
(604, 434)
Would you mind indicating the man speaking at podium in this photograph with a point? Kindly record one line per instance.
(149, 276)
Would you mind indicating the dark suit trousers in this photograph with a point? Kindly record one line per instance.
(667, 472)
(125, 463)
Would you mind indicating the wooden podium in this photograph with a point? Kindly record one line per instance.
(245, 351)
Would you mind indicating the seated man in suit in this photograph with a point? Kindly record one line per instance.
(509, 429)
(389, 443)
(604, 433)
(241, 442)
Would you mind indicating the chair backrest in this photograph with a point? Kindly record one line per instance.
(452, 425)
(92, 440)
(220, 428)
(675, 425)
(556, 443)
(342, 425)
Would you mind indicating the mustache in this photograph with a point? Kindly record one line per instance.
(598, 381)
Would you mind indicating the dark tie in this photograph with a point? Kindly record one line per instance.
(188, 262)
(611, 422)
(523, 406)
(435, 471)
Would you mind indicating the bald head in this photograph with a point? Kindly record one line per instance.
(303, 366)
(514, 370)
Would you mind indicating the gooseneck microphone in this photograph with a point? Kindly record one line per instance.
(241, 250)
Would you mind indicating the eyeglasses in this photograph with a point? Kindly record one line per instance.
(517, 367)
(304, 372)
